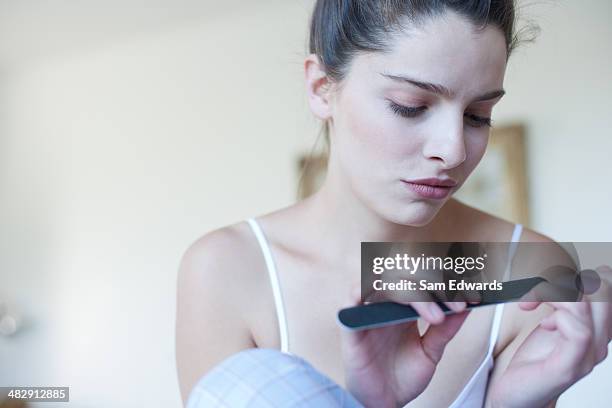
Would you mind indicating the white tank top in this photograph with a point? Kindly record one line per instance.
(473, 393)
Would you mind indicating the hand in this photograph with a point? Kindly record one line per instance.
(390, 366)
(565, 347)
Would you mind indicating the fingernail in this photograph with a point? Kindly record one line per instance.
(458, 306)
(436, 313)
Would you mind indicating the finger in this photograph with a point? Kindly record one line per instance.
(576, 349)
(429, 311)
(423, 302)
(581, 310)
(436, 338)
(569, 326)
(603, 297)
(529, 305)
(574, 320)
(456, 306)
(602, 314)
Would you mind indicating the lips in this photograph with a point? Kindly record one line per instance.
(431, 188)
(436, 182)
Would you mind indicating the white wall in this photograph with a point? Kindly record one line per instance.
(117, 151)
(562, 87)
(114, 160)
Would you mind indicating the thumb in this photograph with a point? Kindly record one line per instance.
(437, 336)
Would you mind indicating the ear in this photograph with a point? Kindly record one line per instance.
(318, 88)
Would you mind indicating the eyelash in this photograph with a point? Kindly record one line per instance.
(412, 112)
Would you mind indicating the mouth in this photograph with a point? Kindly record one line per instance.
(431, 188)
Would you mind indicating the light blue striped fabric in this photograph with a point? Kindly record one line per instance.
(267, 378)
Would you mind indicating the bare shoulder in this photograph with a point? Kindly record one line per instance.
(217, 261)
(536, 251)
(535, 248)
(217, 273)
(529, 260)
(227, 250)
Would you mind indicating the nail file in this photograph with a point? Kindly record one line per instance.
(383, 314)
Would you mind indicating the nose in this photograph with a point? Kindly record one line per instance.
(446, 142)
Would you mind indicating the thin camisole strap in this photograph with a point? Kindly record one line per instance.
(274, 281)
(469, 391)
(497, 317)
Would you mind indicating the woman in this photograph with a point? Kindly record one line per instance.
(406, 89)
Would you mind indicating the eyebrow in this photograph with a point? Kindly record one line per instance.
(442, 90)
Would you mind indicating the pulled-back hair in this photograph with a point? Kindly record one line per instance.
(341, 28)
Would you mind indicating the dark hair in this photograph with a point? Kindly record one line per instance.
(341, 28)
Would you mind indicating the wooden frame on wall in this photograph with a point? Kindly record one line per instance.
(498, 185)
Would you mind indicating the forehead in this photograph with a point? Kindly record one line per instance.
(447, 50)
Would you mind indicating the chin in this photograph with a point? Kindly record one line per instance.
(416, 214)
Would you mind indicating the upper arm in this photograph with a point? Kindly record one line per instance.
(209, 322)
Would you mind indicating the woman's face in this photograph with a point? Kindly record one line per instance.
(390, 129)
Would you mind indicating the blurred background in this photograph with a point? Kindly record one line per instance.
(130, 128)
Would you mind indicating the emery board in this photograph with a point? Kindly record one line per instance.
(380, 314)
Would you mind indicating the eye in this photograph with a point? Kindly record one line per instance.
(406, 111)
(478, 121)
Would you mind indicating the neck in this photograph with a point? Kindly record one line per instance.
(344, 221)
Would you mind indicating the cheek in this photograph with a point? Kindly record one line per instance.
(369, 132)
(476, 146)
